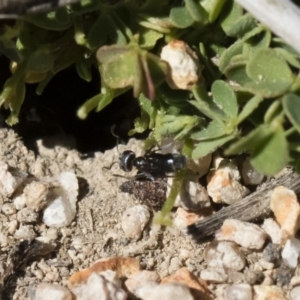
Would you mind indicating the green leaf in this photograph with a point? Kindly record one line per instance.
(196, 11)
(225, 98)
(180, 17)
(229, 15)
(213, 7)
(237, 73)
(230, 52)
(270, 73)
(291, 106)
(293, 60)
(273, 157)
(250, 106)
(259, 41)
(83, 68)
(40, 62)
(206, 106)
(208, 146)
(148, 38)
(98, 33)
(215, 129)
(9, 49)
(242, 25)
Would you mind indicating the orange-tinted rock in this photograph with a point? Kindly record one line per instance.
(198, 286)
(286, 209)
(123, 266)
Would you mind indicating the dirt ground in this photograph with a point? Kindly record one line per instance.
(96, 231)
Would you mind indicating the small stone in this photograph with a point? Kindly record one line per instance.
(10, 179)
(290, 252)
(139, 279)
(224, 254)
(223, 184)
(193, 196)
(253, 277)
(167, 291)
(271, 253)
(62, 201)
(250, 175)
(214, 275)
(266, 265)
(27, 215)
(241, 291)
(104, 285)
(12, 226)
(286, 209)
(245, 234)
(264, 292)
(295, 280)
(201, 165)
(25, 232)
(197, 285)
(184, 65)
(19, 201)
(3, 240)
(123, 266)
(8, 209)
(175, 264)
(273, 230)
(284, 274)
(47, 291)
(35, 194)
(134, 220)
(295, 293)
(184, 218)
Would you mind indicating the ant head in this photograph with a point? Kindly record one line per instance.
(126, 160)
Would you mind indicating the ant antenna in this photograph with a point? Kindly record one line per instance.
(112, 130)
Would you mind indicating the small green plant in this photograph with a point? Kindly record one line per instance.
(247, 99)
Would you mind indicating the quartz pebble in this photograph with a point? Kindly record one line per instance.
(273, 230)
(134, 220)
(184, 218)
(8, 209)
(104, 285)
(62, 201)
(295, 293)
(264, 292)
(246, 234)
(167, 291)
(224, 254)
(184, 65)
(290, 252)
(184, 276)
(223, 184)
(10, 179)
(25, 232)
(215, 275)
(241, 291)
(141, 278)
(193, 196)
(250, 175)
(47, 291)
(35, 194)
(201, 165)
(286, 209)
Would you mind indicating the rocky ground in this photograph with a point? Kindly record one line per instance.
(43, 247)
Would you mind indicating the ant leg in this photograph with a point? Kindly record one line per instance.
(144, 175)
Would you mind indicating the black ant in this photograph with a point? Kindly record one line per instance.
(152, 164)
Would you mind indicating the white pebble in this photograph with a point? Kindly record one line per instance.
(167, 291)
(223, 184)
(184, 65)
(224, 254)
(62, 208)
(217, 275)
(295, 293)
(241, 291)
(134, 220)
(19, 201)
(8, 209)
(290, 252)
(47, 291)
(250, 175)
(10, 179)
(273, 230)
(25, 232)
(245, 234)
(12, 226)
(27, 215)
(104, 285)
